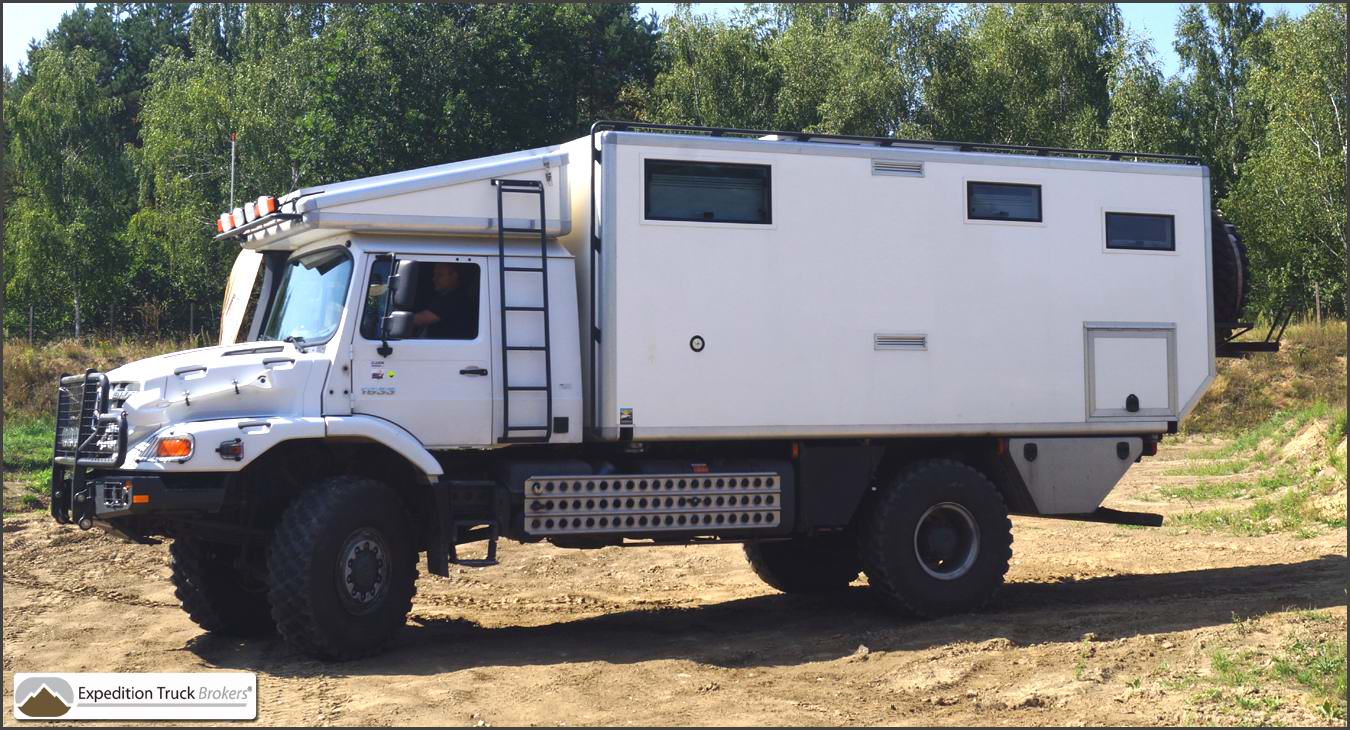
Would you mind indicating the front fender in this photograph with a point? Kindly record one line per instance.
(256, 435)
(370, 428)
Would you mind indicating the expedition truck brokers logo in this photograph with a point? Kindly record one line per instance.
(144, 696)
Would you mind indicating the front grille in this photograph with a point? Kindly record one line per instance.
(82, 412)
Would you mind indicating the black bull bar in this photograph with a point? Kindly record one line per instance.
(83, 422)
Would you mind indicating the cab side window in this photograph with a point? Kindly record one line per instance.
(448, 296)
(450, 292)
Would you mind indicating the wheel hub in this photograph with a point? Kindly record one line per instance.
(947, 541)
(363, 570)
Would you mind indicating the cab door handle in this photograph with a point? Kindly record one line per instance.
(474, 371)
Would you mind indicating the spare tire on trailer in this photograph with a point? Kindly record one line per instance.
(1230, 275)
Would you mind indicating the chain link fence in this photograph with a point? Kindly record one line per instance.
(35, 324)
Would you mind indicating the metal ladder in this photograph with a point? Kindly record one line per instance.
(509, 430)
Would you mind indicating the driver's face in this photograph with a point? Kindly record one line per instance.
(445, 276)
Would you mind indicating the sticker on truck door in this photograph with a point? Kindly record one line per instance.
(625, 416)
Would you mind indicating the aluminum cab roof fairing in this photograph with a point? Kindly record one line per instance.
(327, 209)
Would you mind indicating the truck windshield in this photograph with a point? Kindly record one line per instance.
(308, 302)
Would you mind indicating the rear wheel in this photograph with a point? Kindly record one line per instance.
(936, 540)
(805, 565)
(216, 594)
(342, 569)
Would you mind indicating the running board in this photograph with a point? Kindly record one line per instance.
(640, 504)
(1112, 517)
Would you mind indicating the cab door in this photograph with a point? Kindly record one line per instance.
(437, 387)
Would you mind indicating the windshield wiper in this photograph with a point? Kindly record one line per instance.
(296, 339)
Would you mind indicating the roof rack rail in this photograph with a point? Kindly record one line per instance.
(626, 126)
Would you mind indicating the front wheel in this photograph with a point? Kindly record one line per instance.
(216, 593)
(937, 540)
(342, 569)
(804, 565)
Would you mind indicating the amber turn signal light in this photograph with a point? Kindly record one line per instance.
(174, 447)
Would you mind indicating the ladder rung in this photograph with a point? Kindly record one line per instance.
(528, 348)
(527, 387)
(527, 428)
(523, 440)
(523, 309)
(512, 229)
(521, 268)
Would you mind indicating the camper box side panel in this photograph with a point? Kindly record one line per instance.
(789, 313)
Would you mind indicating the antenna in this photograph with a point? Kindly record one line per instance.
(231, 170)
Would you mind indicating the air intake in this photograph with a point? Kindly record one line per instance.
(900, 342)
(897, 168)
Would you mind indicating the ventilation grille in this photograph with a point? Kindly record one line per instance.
(897, 168)
(900, 342)
(643, 503)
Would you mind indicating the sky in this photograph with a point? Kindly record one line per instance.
(28, 21)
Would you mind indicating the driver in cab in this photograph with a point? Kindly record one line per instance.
(451, 314)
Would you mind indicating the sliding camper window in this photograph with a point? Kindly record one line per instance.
(1141, 232)
(989, 201)
(713, 192)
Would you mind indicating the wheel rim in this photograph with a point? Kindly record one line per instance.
(946, 541)
(363, 571)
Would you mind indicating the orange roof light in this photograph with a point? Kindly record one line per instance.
(223, 223)
(266, 205)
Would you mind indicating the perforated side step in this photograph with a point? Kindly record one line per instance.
(644, 503)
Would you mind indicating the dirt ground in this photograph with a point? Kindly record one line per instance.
(1099, 625)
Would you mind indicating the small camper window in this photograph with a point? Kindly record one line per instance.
(987, 201)
(707, 192)
(1140, 232)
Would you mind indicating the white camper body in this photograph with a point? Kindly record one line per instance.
(870, 304)
(852, 355)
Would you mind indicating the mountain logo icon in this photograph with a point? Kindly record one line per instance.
(44, 696)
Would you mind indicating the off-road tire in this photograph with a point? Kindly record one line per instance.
(888, 539)
(1230, 273)
(805, 565)
(303, 566)
(216, 595)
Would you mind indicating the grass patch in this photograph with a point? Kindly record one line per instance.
(1230, 489)
(1208, 469)
(1309, 367)
(1319, 666)
(1247, 684)
(28, 453)
(1295, 511)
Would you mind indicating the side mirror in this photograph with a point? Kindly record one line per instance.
(403, 284)
(399, 326)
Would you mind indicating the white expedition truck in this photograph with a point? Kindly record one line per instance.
(853, 355)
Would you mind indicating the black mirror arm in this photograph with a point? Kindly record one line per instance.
(384, 349)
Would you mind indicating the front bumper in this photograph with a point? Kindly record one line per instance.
(117, 496)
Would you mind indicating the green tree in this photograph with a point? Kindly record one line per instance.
(1220, 45)
(1289, 198)
(1024, 74)
(70, 190)
(1145, 108)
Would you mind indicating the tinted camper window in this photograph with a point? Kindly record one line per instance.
(1139, 232)
(706, 191)
(986, 201)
